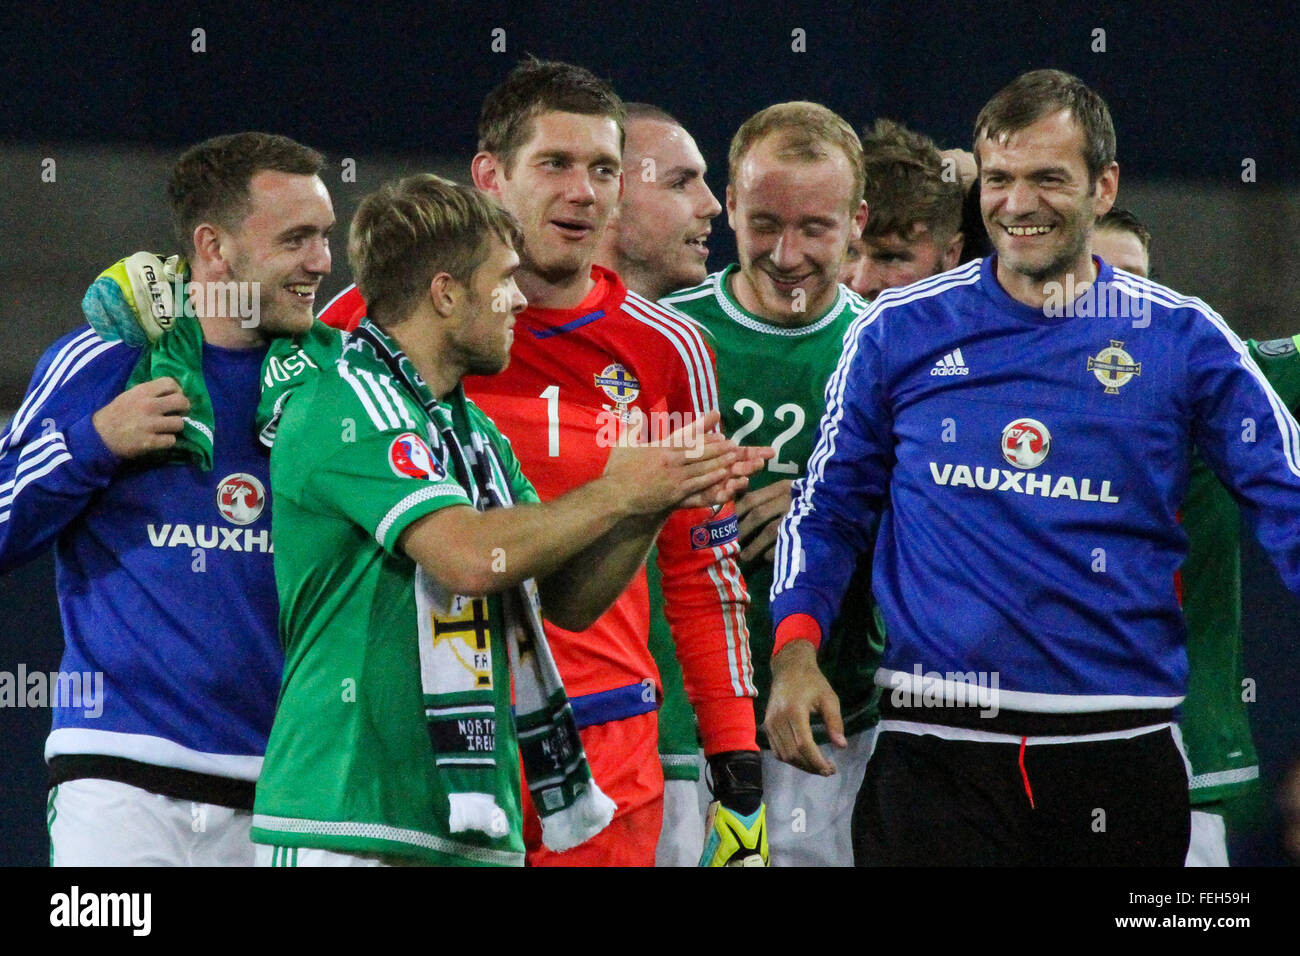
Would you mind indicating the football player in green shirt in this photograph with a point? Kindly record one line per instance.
(656, 242)
(777, 320)
(777, 344)
(1215, 725)
(413, 560)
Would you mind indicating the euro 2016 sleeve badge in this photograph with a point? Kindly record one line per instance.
(409, 456)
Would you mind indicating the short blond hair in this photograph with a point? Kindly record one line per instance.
(410, 230)
(806, 130)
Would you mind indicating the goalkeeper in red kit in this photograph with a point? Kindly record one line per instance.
(587, 353)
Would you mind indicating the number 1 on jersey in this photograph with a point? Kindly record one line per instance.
(552, 395)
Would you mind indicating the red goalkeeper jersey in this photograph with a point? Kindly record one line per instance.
(571, 372)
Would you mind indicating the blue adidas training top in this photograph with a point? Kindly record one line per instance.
(164, 572)
(1025, 472)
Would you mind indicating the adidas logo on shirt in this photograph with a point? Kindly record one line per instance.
(951, 364)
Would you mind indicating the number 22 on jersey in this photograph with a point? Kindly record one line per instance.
(787, 412)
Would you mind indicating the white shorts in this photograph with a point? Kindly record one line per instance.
(268, 855)
(96, 822)
(1209, 844)
(809, 817)
(681, 840)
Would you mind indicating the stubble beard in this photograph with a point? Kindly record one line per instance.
(275, 318)
(1059, 264)
(557, 273)
(477, 362)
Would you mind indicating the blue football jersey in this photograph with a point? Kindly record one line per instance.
(1025, 468)
(164, 571)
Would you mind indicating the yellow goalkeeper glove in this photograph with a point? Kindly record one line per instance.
(134, 298)
(736, 826)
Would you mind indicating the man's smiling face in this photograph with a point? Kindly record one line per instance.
(282, 244)
(562, 186)
(1036, 198)
(793, 220)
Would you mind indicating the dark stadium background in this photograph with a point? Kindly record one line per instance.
(112, 93)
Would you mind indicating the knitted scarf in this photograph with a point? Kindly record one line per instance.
(463, 715)
(462, 720)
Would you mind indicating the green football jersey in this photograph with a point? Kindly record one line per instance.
(349, 765)
(678, 738)
(771, 389)
(1215, 725)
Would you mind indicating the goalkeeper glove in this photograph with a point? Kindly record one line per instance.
(133, 299)
(736, 826)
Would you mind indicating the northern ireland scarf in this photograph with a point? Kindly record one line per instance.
(126, 303)
(461, 712)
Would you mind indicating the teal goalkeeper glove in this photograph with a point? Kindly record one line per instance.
(133, 299)
(736, 826)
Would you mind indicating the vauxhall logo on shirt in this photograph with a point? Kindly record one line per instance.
(240, 500)
(1024, 444)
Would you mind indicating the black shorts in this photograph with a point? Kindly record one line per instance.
(931, 801)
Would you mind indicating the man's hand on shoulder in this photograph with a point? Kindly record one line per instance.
(798, 690)
(143, 419)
